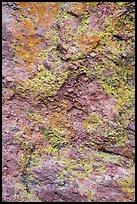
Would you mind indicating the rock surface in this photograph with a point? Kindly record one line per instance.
(68, 88)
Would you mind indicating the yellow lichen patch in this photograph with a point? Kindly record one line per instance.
(42, 85)
(25, 197)
(128, 187)
(45, 83)
(79, 8)
(74, 168)
(92, 122)
(34, 116)
(56, 140)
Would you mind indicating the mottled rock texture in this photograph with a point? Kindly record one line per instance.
(68, 101)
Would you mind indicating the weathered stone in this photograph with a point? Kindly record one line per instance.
(132, 127)
(62, 49)
(7, 94)
(47, 65)
(68, 102)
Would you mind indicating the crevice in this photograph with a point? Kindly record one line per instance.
(78, 16)
(25, 174)
(113, 153)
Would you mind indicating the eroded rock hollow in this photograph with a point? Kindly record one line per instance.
(68, 85)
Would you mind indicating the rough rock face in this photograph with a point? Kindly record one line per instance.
(68, 101)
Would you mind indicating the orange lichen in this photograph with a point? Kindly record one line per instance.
(87, 43)
(59, 116)
(33, 17)
(41, 12)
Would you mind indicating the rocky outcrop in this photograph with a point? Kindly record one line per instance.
(68, 101)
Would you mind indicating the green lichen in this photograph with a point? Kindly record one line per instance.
(107, 157)
(26, 197)
(36, 160)
(90, 195)
(92, 122)
(74, 168)
(44, 84)
(34, 116)
(128, 187)
(115, 72)
(112, 67)
(83, 25)
(56, 140)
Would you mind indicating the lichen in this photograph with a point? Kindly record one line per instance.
(92, 122)
(128, 187)
(90, 195)
(56, 140)
(112, 67)
(27, 41)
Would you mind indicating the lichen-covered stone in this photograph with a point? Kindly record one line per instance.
(68, 101)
